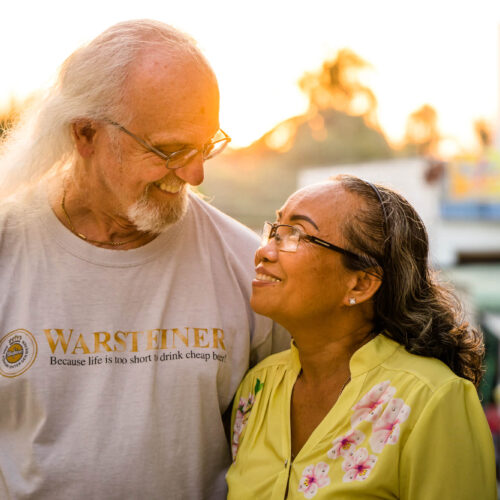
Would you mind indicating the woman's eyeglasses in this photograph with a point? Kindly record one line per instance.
(287, 239)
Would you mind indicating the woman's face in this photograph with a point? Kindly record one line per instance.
(311, 283)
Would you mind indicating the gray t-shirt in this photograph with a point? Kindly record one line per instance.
(115, 366)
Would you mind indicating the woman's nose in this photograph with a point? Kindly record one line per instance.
(267, 252)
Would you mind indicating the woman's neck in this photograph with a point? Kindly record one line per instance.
(325, 355)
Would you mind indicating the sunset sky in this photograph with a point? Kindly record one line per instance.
(440, 52)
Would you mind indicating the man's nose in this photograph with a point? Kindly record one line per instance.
(193, 172)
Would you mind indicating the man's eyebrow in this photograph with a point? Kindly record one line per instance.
(169, 144)
(176, 142)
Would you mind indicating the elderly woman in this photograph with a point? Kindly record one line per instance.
(377, 397)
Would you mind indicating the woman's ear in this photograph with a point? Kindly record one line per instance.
(363, 286)
(83, 134)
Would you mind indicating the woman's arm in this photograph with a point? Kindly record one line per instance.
(449, 454)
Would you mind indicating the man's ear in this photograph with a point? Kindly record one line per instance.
(364, 286)
(83, 134)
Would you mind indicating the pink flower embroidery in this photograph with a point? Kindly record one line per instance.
(241, 417)
(346, 444)
(313, 478)
(386, 429)
(369, 406)
(359, 466)
(240, 420)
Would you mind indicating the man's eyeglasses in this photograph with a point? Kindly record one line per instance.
(287, 239)
(180, 158)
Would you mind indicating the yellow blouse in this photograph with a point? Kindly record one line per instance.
(405, 427)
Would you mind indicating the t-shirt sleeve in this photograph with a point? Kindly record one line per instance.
(281, 339)
(449, 454)
(277, 340)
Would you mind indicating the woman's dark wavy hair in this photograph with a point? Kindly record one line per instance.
(411, 307)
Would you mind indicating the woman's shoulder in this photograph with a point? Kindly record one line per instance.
(430, 372)
(270, 370)
(386, 360)
(278, 361)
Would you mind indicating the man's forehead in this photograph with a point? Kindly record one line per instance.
(163, 89)
(162, 70)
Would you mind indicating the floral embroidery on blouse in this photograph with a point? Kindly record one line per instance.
(369, 406)
(358, 466)
(346, 443)
(313, 478)
(241, 417)
(386, 429)
(385, 413)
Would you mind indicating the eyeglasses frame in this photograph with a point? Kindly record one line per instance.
(168, 157)
(313, 239)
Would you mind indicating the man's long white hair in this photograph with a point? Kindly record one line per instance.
(90, 85)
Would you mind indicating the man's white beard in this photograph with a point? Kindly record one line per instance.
(150, 216)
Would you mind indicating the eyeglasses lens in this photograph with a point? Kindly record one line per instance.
(180, 158)
(184, 156)
(266, 231)
(214, 148)
(286, 237)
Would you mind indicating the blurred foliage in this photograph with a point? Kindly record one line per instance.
(251, 183)
(337, 85)
(422, 135)
(484, 133)
(340, 126)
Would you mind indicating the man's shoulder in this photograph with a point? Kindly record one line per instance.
(14, 214)
(222, 223)
(22, 209)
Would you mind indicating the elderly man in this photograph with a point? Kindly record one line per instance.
(125, 326)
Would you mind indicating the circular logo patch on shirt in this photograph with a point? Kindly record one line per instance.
(18, 350)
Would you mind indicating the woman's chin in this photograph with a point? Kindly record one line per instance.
(261, 306)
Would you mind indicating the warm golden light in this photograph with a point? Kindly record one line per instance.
(261, 50)
(281, 138)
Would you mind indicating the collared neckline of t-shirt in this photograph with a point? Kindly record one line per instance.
(104, 256)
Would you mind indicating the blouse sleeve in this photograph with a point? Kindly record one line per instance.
(449, 453)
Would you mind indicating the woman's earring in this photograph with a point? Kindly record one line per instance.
(352, 301)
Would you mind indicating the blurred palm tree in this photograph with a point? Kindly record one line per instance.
(339, 126)
(337, 85)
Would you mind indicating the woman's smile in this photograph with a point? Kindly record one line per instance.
(264, 277)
